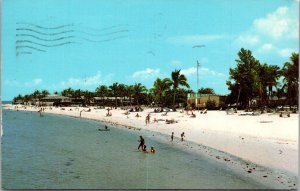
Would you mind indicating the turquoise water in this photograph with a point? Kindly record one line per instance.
(59, 152)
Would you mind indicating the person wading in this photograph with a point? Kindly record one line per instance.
(142, 142)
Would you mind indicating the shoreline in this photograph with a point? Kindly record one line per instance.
(213, 143)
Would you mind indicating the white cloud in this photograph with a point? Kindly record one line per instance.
(275, 24)
(247, 39)
(86, 81)
(207, 71)
(202, 72)
(194, 39)
(286, 52)
(189, 71)
(267, 47)
(34, 82)
(146, 74)
(276, 33)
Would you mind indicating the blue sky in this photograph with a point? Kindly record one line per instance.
(56, 44)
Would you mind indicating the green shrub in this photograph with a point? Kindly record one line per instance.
(211, 104)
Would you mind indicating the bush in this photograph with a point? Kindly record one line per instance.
(211, 104)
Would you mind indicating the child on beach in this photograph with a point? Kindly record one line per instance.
(142, 142)
(182, 135)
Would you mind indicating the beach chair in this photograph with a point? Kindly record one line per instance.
(230, 111)
(165, 114)
(256, 113)
(285, 113)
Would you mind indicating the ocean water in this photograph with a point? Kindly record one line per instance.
(59, 152)
(6, 102)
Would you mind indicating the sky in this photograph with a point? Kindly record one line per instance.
(57, 44)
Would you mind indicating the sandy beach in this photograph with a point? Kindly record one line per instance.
(266, 140)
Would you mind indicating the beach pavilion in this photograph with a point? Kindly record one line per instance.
(202, 99)
(54, 100)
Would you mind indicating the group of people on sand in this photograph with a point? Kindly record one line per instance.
(144, 147)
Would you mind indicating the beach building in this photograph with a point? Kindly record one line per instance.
(78, 101)
(112, 100)
(200, 100)
(54, 100)
(272, 101)
(18, 102)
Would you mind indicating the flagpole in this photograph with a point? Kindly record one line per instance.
(198, 64)
(197, 84)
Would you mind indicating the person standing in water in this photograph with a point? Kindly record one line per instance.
(145, 149)
(142, 142)
(182, 135)
(172, 136)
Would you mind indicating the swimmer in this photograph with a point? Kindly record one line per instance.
(182, 135)
(152, 150)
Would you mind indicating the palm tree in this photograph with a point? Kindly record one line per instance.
(68, 92)
(122, 93)
(27, 98)
(177, 80)
(114, 88)
(18, 98)
(206, 91)
(77, 93)
(268, 76)
(129, 92)
(87, 96)
(290, 72)
(45, 93)
(36, 95)
(243, 80)
(273, 75)
(102, 91)
(138, 90)
(159, 89)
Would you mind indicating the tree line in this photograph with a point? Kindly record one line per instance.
(248, 80)
(165, 92)
(251, 79)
